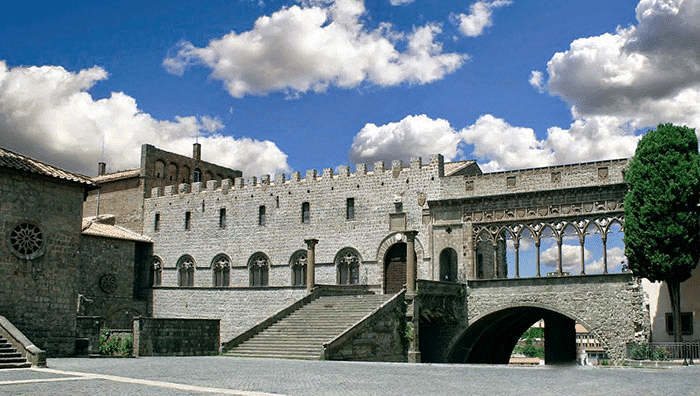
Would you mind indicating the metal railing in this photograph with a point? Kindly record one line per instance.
(686, 351)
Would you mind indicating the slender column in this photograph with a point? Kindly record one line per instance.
(582, 239)
(495, 260)
(537, 244)
(559, 265)
(516, 245)
(411, 262)
(604, 238)
(310, 263)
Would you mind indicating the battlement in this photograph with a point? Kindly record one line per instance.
(436, 168)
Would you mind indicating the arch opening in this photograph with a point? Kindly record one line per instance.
(492, 338)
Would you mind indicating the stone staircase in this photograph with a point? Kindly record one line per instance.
(9, 357)
(301, 335)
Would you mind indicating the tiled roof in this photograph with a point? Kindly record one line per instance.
(453, 167)
(103, 226)
(11, 160)
(125, 174)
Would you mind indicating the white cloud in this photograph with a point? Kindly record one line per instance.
(47, 113)
(505, 146)
(317, 44)
(537, 80)
(642, 75)
(414, 136)
(616, 259)
(570, 257)
(479, 18)
(400, 2)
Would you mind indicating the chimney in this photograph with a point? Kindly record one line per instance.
(197, 152)
(101, 168)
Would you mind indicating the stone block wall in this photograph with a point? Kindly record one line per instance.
(39, 294)
(122, 198)
(612, 307)
(376, 194)
(238, 308)
(110, 280)
(176, 337)
(380, 338)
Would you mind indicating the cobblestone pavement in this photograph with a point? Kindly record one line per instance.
(262, 377)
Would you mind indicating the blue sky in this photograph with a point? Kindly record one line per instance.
(270, 86)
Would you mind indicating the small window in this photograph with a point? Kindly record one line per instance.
(261, 215)
(305, 213)
(350, 209)
(222, 218)
(686, 323)
(398, 206)
(196, 176)
(188, 220)
(157, 269)
(156, 223)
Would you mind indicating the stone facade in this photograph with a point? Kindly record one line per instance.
(114, 280)
(40, 212)
(122, 193)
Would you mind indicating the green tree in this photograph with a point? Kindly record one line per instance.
(661, 238)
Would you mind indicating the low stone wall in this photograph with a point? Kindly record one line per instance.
(178, 337)
(239, 309)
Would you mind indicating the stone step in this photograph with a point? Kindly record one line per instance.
(10, 355)
(24, 364)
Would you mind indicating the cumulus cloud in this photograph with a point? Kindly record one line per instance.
(47, 113)
(479, 18)
(570, 258)
(616, 259)
(497, 145)
(502, 145)
(318, 44)
(642, 74)
(414, 136)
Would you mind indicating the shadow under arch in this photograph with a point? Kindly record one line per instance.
(491, 337)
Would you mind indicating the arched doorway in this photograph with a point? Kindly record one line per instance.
(395, 268)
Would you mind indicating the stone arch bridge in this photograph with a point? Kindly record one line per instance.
(482, 321)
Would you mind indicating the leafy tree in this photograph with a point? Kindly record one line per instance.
(662, 240)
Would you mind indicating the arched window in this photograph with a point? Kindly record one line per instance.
(298, 264)
(171, 172)
(448, 265)
(196, 175)
(221, 271)
(160, 169)
(259, 267)
(185, 271)
(157, 271)
(348, 267)
(305, 213)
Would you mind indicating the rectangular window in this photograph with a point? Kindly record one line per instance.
(261, 215)
(222, 218)
(305, 213)
(188, 220)
(156, 222)
(686, 323)
(350, 209)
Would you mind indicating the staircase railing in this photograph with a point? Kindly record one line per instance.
(337, 343)
(19, 341)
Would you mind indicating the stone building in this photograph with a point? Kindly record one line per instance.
(40, 212)
(122, 193)
(114, 277)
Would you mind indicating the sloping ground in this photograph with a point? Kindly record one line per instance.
(301, 334)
